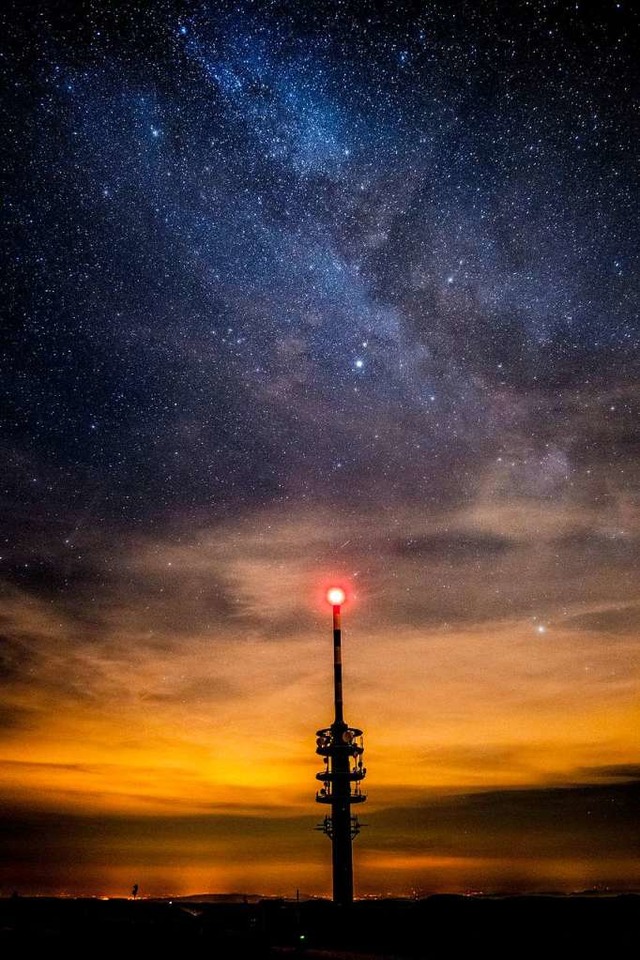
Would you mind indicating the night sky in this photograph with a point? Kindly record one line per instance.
(303, 291)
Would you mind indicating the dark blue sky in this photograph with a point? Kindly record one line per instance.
(260, 251)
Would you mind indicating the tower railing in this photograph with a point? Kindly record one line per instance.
(350, 743)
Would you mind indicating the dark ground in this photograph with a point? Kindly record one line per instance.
(439, 926)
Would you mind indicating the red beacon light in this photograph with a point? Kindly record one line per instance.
(336, 596)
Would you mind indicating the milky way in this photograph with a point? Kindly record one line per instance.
(294, 288)
(260, 253)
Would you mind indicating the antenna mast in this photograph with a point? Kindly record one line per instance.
(342, 749)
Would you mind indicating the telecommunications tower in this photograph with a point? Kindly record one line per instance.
(342, 749)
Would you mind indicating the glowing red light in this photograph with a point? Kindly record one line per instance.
(336, 596)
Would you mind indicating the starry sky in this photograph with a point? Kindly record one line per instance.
(302, 291)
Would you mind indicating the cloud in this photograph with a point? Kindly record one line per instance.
(614, 622)
(614, 771)
(456, 546)
(17, 718)
(611, 547)
(15, 658)
(576, 821)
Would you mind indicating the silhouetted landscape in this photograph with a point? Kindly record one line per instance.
(390, 928)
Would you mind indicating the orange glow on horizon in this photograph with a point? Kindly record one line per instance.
(188, 725)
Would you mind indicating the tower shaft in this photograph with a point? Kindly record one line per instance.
(341, 827)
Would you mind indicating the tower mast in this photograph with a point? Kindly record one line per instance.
(342, 749)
